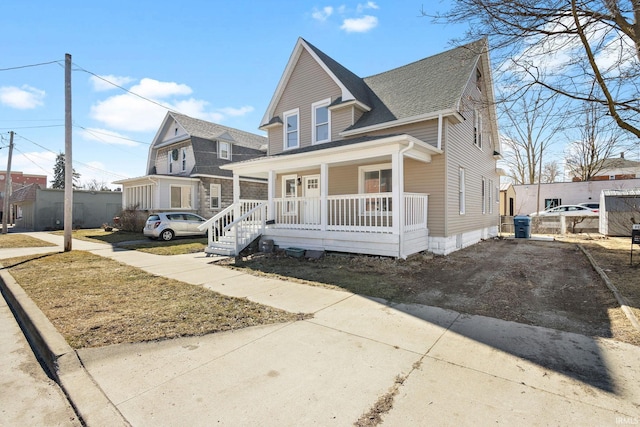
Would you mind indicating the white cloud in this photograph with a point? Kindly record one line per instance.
(359, 25)
(22, 98)
(236, 112)
(106, 136)
(368, 5)
(127, 112)
(323, 14)
(100, 85)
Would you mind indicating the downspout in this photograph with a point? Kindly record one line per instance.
(439, 131)
(401, 205)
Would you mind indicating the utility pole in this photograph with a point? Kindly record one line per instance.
(68, 164)
(7, 188)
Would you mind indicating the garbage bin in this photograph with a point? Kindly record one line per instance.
(522, 226)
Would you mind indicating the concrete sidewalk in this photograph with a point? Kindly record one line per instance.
(443, 368)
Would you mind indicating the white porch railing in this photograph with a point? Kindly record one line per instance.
(371, 213)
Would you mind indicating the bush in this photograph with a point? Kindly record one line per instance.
(131, 219)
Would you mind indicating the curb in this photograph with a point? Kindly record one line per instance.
(624, 304)
(60, 360)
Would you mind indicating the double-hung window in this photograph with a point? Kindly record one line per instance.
(291, 129)
(290, 191)
(376, 180)
(483, 192)
(477, 128)
(321, 117)
(180, 197)
(214, 196)
(461, 191)
(184, 160)
(224, 150)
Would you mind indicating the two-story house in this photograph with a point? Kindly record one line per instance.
(183, 168)
(392, 164)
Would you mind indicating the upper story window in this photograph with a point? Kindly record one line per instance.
(321, 121)
(184, 160)
(224, 150)
(477, 128)
(291, 129)
(478, 79)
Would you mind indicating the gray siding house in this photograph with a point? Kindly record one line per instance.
(392, 164)
(184, 168)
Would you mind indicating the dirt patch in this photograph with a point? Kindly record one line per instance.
(549, 284)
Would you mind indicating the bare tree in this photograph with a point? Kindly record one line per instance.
(530, 125)
(564, 46)
(95, 185)
(587, 155)
(550, 172)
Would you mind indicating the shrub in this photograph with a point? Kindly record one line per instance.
(131, 219)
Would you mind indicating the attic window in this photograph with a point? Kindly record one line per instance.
(224, 150)
(479, 79)
(175, 132)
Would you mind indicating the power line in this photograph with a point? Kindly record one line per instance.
(30, 65)
(93, 132)
(122, 88)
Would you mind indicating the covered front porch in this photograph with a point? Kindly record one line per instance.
(350, 197)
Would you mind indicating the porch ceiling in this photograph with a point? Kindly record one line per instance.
(371, 151)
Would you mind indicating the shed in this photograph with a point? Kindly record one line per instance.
(619, 210)
(40, 209)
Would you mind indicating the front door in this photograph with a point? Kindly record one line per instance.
(311, 209)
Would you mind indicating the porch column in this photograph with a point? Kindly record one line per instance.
(397, 190)
(324, 192)
(236, 195)
(271, 194)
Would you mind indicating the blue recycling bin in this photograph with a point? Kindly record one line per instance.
(522, 226)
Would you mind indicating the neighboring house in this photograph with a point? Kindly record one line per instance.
(507, 199)
(18, 180)
(565, 193)
(183, 168)
(616, 168)
(39, 209)
(392, 164)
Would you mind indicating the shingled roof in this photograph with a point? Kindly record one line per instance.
(212, 131)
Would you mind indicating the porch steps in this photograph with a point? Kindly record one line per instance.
(226, 244)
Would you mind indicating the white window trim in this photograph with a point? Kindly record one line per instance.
(183, 161)
(461, 190)
(218, 188)
(285, 115)
(490, 195)
(220, 156)
(169, 162)
(314, 107)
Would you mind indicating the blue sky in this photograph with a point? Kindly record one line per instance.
(219, 61)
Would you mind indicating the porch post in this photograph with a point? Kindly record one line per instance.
(397, 190)
(324, 192)
(236, 195)
(271, 194)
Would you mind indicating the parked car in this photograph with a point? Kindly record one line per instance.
(167, 225)
(567, 210)
(593, 206)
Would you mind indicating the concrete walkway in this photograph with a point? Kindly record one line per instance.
(442, 368)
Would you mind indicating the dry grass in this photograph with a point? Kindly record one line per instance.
(94, 301)
(93, 234)
(17, 240)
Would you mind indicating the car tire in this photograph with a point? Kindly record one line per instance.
(167, 235)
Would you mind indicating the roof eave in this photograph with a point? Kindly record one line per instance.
(405, 121)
